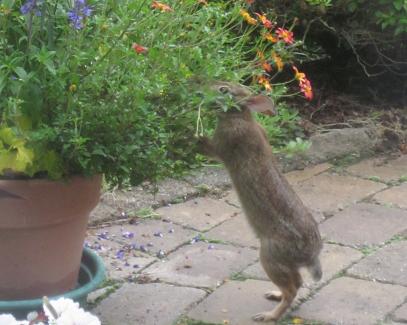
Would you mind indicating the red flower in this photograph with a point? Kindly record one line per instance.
(305, 84)
(307, 89)
(161, 6)
(267, 23)
(286, 35)
(249, 2)
(139, 49)
(266, 66)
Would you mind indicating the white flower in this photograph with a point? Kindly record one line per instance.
(69, 313)
(61, 305)
(7, 319)
(78, 316)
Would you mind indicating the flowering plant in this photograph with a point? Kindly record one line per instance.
(112, 87)
(61, 311)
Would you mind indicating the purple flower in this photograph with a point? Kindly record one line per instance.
(171, 231)
(87, 11)
(78, 14)
(28, 7)
(196, 239)
(159, 234)
(128, 234)
(211, 246)
(103, 235)
(120, 254)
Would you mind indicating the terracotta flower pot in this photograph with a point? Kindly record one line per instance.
(42, 230)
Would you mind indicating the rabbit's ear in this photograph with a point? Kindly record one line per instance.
(260, 104)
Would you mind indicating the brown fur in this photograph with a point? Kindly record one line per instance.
(288, 233)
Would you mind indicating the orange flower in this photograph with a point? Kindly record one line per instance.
(286, 35)
(246, 16)
(270, 37)
(265, 82)
(267, 23)
(267, 66)
(305, 84)
(139, 48)
(161, 6)
(249, 2)
(278, 61)
(306, 89)
(260, 54)
(300, 76)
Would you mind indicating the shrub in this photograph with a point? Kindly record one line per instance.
(113, 87)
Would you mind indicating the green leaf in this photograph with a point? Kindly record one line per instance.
(21, 73)
(24, 158)
(398, 4)
(7, 136)
(7, 159)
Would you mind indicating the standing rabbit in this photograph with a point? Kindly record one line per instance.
(289, 236)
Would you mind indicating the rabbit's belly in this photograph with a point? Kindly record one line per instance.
(299, 253)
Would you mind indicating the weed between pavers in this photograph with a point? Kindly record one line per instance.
(145, 213)
(238, 276)
(110, 285)
(375, 179)
(346, 161)
(189, 321)
(369, 250)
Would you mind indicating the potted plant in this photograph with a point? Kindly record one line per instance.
(91, 88)
(76, 103)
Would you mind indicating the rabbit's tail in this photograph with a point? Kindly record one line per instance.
(315, 269)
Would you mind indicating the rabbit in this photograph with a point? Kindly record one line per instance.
(288, 234)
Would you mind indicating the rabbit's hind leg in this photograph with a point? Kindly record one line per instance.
(287, 279)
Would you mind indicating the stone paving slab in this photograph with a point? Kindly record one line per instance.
(236, 231)
(151, 236)
(395, 196)
(352, 302)
(330, 192)
(388, 264)
(232, 198)
(147, 304)
(114, 203)
(121, 261)
(200, 213)
(364, 224)
(210, 176)
(236, 302)
(298, 176)
(202, 264)
(386, 170)
(334, 259)
(400, 315)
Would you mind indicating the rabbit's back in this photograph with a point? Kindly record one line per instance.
(272, 207)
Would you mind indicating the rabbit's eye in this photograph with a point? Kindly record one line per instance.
(223, 89)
